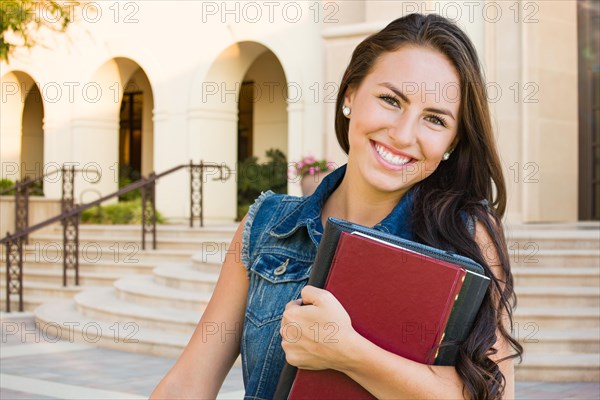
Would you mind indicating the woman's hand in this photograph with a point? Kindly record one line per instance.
(316, 331)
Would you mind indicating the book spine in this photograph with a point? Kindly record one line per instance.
(461, 319)
(286, 380)
(318, 277)
(325, 255)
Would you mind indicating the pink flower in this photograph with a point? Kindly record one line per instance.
(309, 165)
(309, 159)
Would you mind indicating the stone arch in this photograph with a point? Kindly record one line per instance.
(97, 120)
(22, 126)
(214, 119)
(270, 91)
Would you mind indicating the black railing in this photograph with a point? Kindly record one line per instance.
(22, 191)
(70, 216)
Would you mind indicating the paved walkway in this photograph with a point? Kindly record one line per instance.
(33, 365)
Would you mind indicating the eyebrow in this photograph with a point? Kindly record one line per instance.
(406, 100)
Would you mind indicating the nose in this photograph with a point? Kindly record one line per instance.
(403, 130)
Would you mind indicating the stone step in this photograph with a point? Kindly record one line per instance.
(119, 268)
(133, 244)
(185, 277)
(46, 290)
(103, 304)
(568, 258)
(145, 291)
(532, 239)
(584, 341)
(71, 325)
(162, 231)
(208, 261)
(30, 303)
(559, 367)
(62, 317)
(556, 276)
(55, 276)
(121, 253)
(101, 257)
(558, 296)
(550, 318)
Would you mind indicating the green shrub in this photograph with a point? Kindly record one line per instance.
(254, 178)
(5, 184)
(128, 175)
(125, 212)
(36, 189)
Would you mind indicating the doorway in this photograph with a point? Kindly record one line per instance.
(588, 16)
(130, 137)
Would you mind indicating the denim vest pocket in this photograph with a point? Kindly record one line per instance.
(278, 279)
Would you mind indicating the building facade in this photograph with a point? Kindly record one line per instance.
(151, 85)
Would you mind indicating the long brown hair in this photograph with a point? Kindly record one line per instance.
(469, 183)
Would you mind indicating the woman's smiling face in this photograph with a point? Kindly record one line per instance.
(404, 117)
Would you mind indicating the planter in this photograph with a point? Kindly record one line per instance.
(40, 209)
(309, 183)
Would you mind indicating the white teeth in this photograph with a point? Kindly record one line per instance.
(392, 159)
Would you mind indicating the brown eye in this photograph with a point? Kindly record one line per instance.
(435, 119)
(391, 100)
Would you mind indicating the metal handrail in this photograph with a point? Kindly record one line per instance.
(70, 221)
(27, 182)
(126, 189)
(22, 192)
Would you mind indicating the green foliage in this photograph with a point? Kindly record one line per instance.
(126, 212)
(254, 178)
(5, 184)
(128, 175)
(36, 189)
(22, 17)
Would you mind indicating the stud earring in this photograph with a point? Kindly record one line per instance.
(346, 110)
(446, 156)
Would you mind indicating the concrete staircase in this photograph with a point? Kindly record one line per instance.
(557, 281)
(131, 299)
(153, 302)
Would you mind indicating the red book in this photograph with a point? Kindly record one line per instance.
(397, 298)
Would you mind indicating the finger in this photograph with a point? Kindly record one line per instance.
(313, 295)
(293, 304)
(289, 313)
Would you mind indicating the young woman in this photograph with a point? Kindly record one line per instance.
(412, 116)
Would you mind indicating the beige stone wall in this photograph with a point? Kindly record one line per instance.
(550, 128)
(532, 58)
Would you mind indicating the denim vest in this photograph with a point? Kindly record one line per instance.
(279, 244)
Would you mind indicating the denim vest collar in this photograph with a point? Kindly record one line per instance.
(308, 212)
